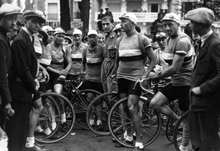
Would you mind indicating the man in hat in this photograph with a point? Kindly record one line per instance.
(130, 69)
(205, 86)
(178, 54)
(108, 12)
(76, 49)
(8, 17)
(24, 85)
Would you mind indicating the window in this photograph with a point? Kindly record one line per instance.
(153, 7)
(52, 11)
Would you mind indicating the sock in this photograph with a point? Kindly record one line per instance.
(138, 144)
(129, 138)
(30, 142)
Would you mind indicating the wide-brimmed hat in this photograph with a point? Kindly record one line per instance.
(35, 13)
(69, 39)
(9, 9)
(44, 34)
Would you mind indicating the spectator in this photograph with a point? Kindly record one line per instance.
(24, 86)
(108, 12)
(205, 86)
(100, 16)
(7, 24)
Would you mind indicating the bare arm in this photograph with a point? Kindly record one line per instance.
(170, 70)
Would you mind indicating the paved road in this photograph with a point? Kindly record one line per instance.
(84, 140)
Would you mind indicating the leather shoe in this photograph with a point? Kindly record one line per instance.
(35, 148)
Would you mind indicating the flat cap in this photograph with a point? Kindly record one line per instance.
(9, 9)
(201, 15)
(59, 30)
(35, 13)
(77, 32)
(48, 29)
(171, 17)
(129, 16)
(92, 32)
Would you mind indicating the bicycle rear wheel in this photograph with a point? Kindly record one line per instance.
(53, 112)
(80, 102)
(119, 121)
(97, 113)
(181, 133)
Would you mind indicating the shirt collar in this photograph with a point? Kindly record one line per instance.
(110, 35)
(28, 32)
(206, 36)
(4, 33)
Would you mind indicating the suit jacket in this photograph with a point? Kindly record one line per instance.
(206, 75)
(23, 69)
(5, 61)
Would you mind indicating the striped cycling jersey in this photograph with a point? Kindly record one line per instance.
(76, 56)
(94, 59)
(180, 45)
(131, 65)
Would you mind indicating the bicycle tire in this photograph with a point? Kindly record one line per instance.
(178, 132)
(170, 123)
(100, 108)
(150, 121)
(80, 103)
(62, 129)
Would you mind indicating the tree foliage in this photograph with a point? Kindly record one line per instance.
(211, 4)
(65, 14)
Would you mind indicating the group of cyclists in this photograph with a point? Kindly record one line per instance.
(110, 61)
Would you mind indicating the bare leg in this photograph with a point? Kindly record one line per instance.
(158, 103)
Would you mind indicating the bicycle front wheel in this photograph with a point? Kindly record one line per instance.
(97, 113)
(80, 102)
(181, 133)
(119, 122)
(58, 110)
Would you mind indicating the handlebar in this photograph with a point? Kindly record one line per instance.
(141, 81)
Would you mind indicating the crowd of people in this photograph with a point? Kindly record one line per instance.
(111, 60)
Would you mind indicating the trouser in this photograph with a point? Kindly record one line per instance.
(17, 125)
(110, 85)
(204, 130)
(2, 119)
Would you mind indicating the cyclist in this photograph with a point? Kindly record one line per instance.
(76, 49)
(130, 69)
(91, 65)
(178, 54)
(56, 69)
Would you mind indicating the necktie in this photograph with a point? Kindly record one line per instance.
(198, 47)
(32, 39)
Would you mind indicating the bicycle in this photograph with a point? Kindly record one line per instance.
(181, 133)
(99, 108)
(52, 113)
(79, 98)
(119, 120)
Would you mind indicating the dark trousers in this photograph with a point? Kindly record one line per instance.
(2, 119)
(204, 130)
(17, 125)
